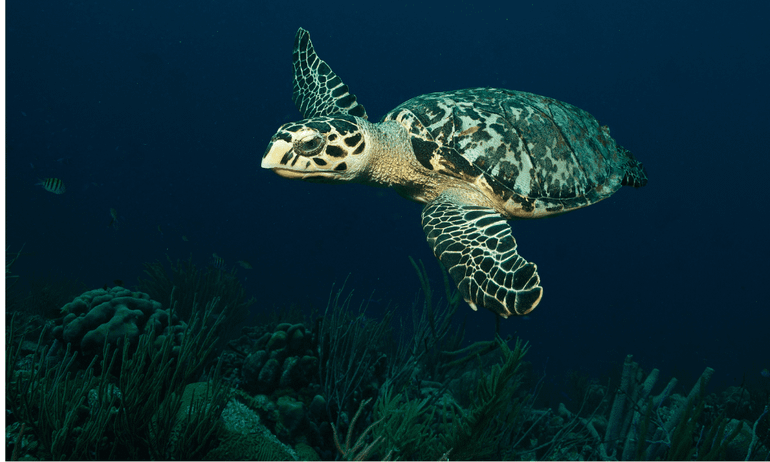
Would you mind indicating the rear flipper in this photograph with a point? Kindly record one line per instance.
(635, 175)
(476, 246)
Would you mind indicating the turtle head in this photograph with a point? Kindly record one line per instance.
(324, 149)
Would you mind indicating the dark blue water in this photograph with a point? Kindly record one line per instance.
(162, 111)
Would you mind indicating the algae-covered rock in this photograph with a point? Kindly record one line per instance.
(292, 414)
(254, 363)
(269, 373)
(305, 452)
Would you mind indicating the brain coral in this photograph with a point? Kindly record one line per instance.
(243, 437)
(104, 316)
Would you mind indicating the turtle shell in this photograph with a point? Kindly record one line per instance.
(539, 155)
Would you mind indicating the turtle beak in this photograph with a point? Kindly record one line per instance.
(277, 155)
(280, 159)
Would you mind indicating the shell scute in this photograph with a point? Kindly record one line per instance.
(533, 150)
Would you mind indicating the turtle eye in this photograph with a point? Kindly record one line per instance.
(309, 146)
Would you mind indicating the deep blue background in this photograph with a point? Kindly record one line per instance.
(162, 110)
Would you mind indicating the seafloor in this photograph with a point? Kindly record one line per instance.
(185, 366)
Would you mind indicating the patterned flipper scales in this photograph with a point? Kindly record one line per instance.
(317, 89)
(476, 246)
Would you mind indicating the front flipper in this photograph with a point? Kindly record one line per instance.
(317, 89)
(476, 246)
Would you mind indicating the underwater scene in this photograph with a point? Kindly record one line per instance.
(335, 231)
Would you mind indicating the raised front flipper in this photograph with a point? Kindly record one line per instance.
(317, 89)
(476, 246)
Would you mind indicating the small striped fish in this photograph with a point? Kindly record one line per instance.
(53, 185)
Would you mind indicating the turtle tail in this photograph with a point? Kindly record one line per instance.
(635, 175)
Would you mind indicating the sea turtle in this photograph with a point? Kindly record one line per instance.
(474, 157)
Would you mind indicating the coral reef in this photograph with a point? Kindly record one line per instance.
(433, 425)
(192, 430)
(278, 372)
(348, 387)
(284, 358)
(99, 317)
(639, 425)
(106, 412)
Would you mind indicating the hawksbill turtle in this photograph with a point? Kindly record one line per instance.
(474, 157)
